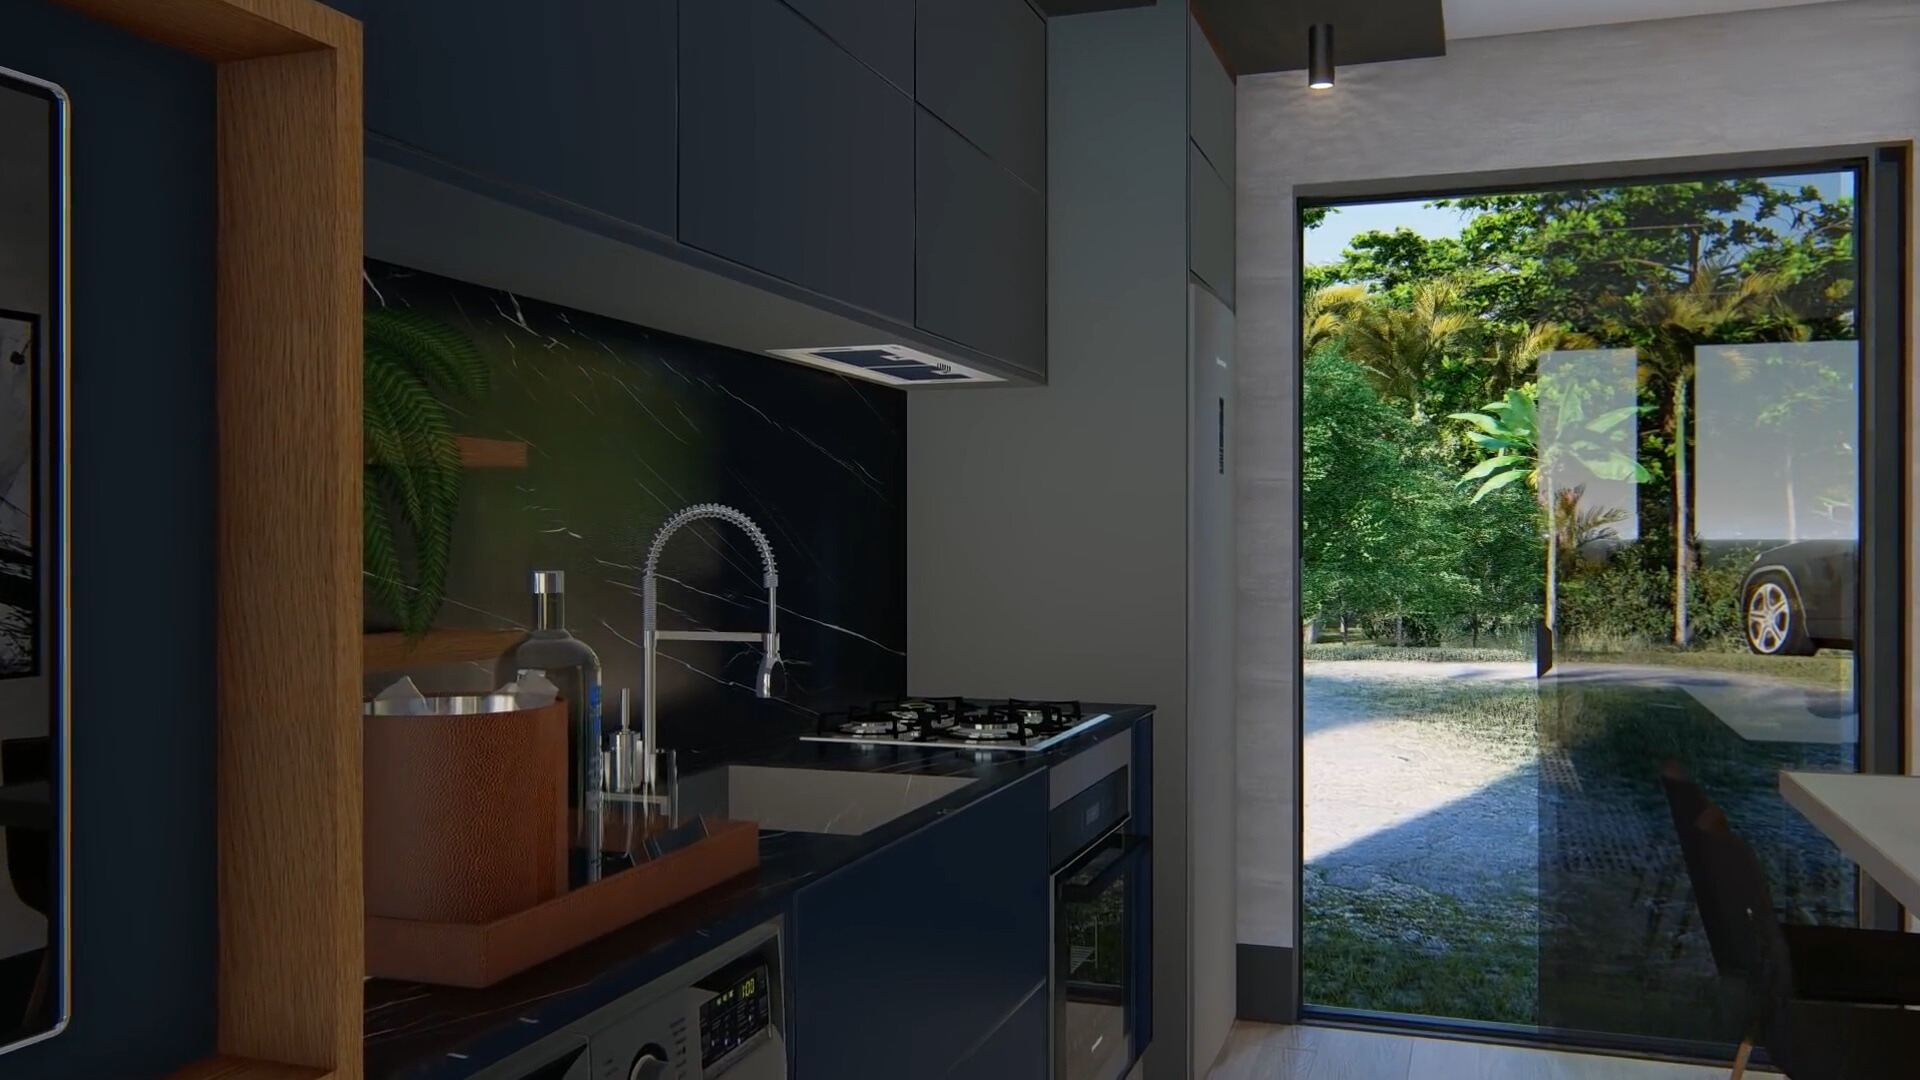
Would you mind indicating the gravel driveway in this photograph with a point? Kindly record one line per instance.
(1422, 803)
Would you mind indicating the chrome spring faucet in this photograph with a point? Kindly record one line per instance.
(651, 635)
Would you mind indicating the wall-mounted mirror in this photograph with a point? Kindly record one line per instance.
(33, 676)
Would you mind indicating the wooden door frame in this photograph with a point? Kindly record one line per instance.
(288, 388)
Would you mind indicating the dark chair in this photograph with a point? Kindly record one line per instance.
(1829, 963)
(1805, 1037)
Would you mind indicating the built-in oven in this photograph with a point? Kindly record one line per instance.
(1102, 938)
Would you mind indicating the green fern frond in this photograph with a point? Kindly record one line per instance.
(413, 471)
(381, 557)
(442, 357)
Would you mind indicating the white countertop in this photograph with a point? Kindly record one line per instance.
(1874, 819)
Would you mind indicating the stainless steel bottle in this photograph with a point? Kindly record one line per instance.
(571, 665)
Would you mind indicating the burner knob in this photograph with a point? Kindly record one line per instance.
(651, 1064)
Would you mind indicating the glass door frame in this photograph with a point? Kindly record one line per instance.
(1884, 186)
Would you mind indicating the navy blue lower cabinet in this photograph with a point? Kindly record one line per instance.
(1017, 1050)
(915, 957)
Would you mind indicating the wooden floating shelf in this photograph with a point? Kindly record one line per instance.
(392, 651)
(479, 453)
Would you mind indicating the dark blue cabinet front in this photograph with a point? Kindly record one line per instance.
(795, 158)
(982, 69)
(915, 960)
(573, 99)
(1017, 1050)
(879, 33)
(981, 260)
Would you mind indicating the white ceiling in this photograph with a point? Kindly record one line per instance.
(1486, 18)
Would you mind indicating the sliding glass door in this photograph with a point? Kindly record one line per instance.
(1581, 495)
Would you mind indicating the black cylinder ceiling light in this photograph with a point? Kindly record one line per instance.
(1320, 56)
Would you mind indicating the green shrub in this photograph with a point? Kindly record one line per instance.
(1626, 600)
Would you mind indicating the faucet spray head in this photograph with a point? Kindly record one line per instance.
(769, 659)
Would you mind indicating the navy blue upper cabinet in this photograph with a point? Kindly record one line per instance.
(795, 157)
(879, 33)
(571, 98)
(907, 960)
(981, 261)
(981, 66)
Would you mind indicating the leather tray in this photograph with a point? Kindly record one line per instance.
(481, 954)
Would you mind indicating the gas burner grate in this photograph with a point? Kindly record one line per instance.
(1036, 717)
(983, 729)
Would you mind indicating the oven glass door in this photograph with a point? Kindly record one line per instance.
(1100, 959)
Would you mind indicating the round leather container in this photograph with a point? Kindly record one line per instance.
(466, 813)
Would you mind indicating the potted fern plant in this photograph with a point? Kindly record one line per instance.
(413, 470)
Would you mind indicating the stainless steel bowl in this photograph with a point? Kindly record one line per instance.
(443, 705)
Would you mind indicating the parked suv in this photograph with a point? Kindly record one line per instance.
(1801, 597)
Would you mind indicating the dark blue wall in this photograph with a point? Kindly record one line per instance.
(142, 543)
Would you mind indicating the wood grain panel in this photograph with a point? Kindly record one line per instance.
(288, 612)
(225, 30)
(392, 651)
(230, 1068)
(288, 627)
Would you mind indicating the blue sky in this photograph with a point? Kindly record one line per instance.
(1325, 244)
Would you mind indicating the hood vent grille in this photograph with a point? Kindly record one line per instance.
(890, 365)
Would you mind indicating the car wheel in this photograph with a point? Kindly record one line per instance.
(1775, 624)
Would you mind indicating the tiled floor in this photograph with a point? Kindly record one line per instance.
(1263, 1052)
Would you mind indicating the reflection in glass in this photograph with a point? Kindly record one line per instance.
(33, 999)
(1579, 496)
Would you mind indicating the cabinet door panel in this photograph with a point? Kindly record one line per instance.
(795, 158)
(1209, 225)
(1017, 1050)
(1210, 103)
(981, 261)
(572, 98)
(981, 66)
(913, 956)
(879, 33)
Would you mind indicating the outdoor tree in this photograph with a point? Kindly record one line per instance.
(1718, 305)
(1402, 348)
(1365, 498)
(1661, 268)
(1508, 431)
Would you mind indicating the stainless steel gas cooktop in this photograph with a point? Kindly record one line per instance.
(958, 724)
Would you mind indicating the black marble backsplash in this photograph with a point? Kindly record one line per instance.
(625, 426)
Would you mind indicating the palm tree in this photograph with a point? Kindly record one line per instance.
(1666, 328)
(1324, 314)
(1400, 347)
(1516, 356)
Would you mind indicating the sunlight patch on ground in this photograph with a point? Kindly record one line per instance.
(1372, 777)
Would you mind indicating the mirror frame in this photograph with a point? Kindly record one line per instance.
(51, 536)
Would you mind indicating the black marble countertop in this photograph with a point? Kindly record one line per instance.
(419, 1032)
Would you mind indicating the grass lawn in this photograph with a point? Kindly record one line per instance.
(1441, 654)
(1828, 670)
(1831, 669)
(1395, 947)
